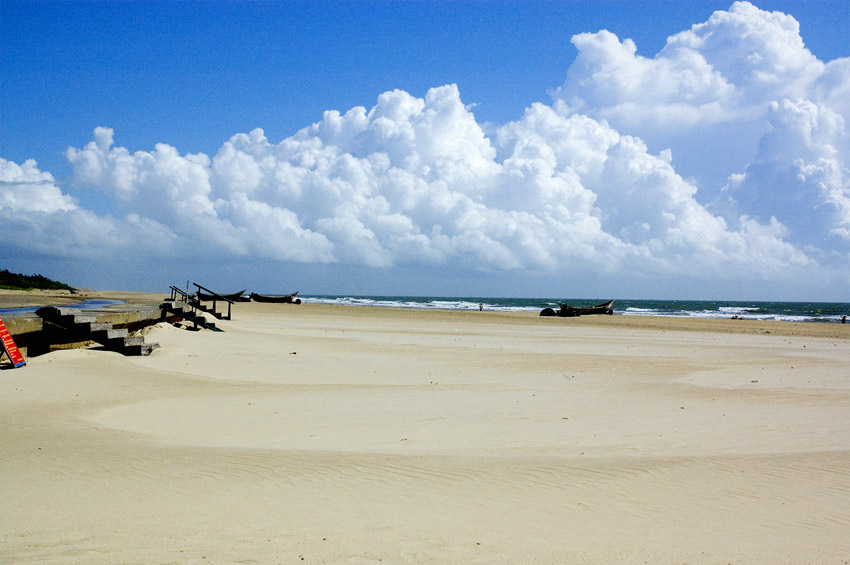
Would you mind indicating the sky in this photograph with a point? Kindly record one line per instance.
(631, 149)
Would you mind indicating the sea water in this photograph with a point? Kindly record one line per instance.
(756, 310)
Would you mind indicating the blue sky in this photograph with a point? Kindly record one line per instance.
(518, 211)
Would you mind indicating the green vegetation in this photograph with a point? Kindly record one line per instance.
(15, 281)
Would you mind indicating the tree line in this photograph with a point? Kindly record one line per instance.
(17, 281)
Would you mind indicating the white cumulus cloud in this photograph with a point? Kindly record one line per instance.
(25, 189)
(724, 155)
(38, 218)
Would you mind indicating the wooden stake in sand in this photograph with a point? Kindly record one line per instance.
(9, 346)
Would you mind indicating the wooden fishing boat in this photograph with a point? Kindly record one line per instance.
(233, 296)
(568, 311)
(281, 299)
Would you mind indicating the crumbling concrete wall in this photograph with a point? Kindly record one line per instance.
(35, 337)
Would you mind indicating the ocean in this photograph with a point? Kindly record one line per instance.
(829, 312)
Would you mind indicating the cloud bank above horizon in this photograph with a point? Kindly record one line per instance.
(727, 156)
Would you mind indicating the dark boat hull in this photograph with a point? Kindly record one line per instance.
(233, 296)
(286, 299)
(568, 311)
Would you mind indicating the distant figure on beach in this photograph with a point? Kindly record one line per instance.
(481, 308)
(843, 319)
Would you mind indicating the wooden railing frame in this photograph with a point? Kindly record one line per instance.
(216, 296)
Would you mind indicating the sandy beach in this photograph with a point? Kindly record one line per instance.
(330, 434)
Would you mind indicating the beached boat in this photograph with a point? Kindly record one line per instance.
(233, 296)
(567, 311)
(282, 299)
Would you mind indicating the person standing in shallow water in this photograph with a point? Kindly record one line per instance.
(481, 308)
(844, 319)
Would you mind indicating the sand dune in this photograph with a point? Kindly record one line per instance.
(339, 434)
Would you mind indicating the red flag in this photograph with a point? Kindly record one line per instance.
(9, 346)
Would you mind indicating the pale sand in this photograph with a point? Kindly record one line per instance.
(344, 434)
